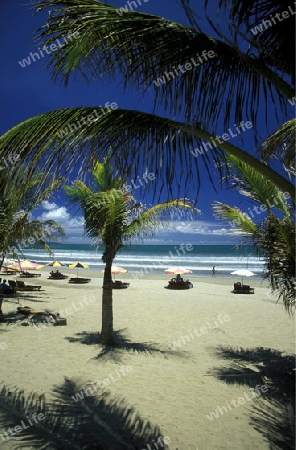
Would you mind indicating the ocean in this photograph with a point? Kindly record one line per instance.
(148, 259)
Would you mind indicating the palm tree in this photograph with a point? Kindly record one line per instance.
(113, 218)
(18, 199)
(239, 76)
(273, 236)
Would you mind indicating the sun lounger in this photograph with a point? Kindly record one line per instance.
(29, 275)
(238, 288)
(119, 285)
(21, 286)
(179, 285)
(79, 280)
(57, 276)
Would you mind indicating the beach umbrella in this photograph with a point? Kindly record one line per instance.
(175, 270)
(25, 265)
(243, 273)
(116, 269)
(78, 265)
(55, 264)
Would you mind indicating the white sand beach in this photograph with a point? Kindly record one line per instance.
(172, 377)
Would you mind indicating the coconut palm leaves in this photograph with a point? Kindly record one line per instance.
(281, 144)
(17, 201)
(144, 140)
(273, 237)
(142, 48)
(226, 86)
(262, 24)
(94, 422)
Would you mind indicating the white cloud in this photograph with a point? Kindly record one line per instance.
(73, 225)
(60, 214)
(198, 227)
(49, 205)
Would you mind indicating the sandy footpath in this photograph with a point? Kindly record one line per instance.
(172, 377)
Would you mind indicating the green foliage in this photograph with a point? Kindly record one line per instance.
(112, 215)
(140, 48)
(273, 237)
(277, 240)
(18, 200)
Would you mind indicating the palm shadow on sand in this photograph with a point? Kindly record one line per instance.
(272, 413)
(88, 422)
(123, 345)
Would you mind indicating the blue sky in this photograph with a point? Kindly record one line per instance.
(29, 91)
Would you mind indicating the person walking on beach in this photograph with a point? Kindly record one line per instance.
(214, 271)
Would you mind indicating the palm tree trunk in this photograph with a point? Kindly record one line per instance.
(107, 337)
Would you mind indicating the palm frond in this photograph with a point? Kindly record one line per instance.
(132, 44)
(239, 221)
(159, 216)
(135, 134)
(273, 43)
(281, 144)
(257, 187)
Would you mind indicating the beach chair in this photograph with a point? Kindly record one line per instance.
(238, 288)
(79, 280)
(119, 285)
(57, 276)
(29, 275)
(179, 285)
(21, 286)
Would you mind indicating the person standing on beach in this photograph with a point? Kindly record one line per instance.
(214, 271)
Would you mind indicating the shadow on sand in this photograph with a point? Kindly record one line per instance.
(273, 413)
(124, 345)
(90, 422)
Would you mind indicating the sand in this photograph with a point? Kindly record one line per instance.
(175, 386)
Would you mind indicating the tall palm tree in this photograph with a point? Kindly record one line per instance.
(239, 77)
(273, 235)
(113, 218)
(17, 230)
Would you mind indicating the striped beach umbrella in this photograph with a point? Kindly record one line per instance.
(25, 265)
(56, 264)
(78, 265)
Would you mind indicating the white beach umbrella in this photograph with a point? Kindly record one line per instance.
(243, 273)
